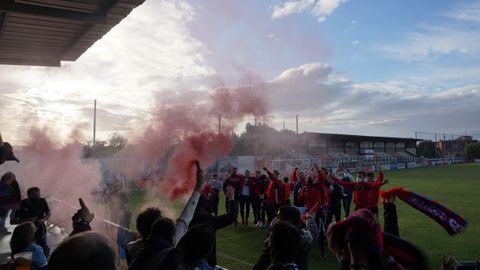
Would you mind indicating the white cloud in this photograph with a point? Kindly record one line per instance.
(324, 8)
(466, 12)
(151, 51)
(433, 42)
(390, 108)
(290, 7)
(457, 34)
(320, 9)
(355, 42)
(310, 71)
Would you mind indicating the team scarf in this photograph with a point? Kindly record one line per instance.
(448, 219)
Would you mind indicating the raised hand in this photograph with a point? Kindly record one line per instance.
(200, 177)
(83, 214)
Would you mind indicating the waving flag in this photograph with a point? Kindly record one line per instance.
(448, 219)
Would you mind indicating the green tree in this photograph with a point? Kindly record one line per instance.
(472, 151)
(426, 149)
(269, 141)
(103, 149)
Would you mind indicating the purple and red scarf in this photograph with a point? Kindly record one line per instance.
(448, 219)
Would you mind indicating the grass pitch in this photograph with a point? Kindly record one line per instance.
(455, 186)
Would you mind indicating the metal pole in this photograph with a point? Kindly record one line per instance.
(445, 147)
(217, 162)
(256, 142)
(94, 120)
(297, 122)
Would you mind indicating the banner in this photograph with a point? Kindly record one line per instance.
(448, 219)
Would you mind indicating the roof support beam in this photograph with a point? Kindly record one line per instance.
(3, 15)
(11, 6)
(29, 62)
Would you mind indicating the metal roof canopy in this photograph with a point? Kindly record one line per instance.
(356, 138)
(45, 32)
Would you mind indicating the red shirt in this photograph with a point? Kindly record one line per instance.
(374, 193)
(361, 191)
(311, 197)
(206, 191)
(320, 185)
(275, 191)
(288, 190)
(295, 176)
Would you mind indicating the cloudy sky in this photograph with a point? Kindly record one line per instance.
(370, 67)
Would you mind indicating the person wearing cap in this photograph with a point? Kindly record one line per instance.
(6, 152)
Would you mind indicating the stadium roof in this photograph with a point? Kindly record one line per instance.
(45, 32)
(356, 138)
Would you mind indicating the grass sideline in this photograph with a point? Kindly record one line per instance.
(455, 186)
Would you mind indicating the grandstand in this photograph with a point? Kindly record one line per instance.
(350, 151)
(343, 146)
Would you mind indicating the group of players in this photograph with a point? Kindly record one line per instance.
(316, 192)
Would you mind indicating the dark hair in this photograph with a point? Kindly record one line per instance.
(162, 228)
(290, 214)
(370, 174)
(285, 241)
(361, 173)
(285, 179)
(87, 250)
(198, 242)
(145, 220)
(32, 190)
(6, 176)
(22, 236)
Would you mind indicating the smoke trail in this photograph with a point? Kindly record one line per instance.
(188, 130)
(57, 169)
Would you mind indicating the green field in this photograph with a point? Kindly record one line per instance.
(455, 186)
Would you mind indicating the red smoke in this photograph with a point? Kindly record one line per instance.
(57, 170)
(188, 130)
(179, 133)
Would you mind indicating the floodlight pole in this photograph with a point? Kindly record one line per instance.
(256, 142)
(217, 162)
(296, 117)
(94, 120)
(445, 147)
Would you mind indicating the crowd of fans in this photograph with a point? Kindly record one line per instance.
(189, 242)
